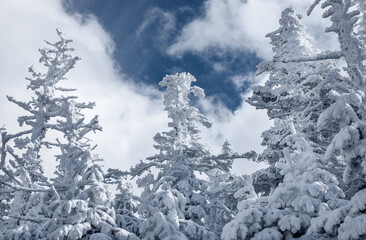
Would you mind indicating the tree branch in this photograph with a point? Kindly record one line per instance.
(321, 56)
(20, 188)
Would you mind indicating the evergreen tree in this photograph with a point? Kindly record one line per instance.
(306, 190)
(75, 204)
(225, 191)
(126, 208)
(295, 91)
(297, 97)
(175, 204)
(347, 222)
(24, 173)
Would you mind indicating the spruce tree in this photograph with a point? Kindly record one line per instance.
(292, 96)
(173, 204)
(176, 204)
(297, 91)
(75, 204)
(21, 163)
(225, 191)
(126, 208)
(347, 222)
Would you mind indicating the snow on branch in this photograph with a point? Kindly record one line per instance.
(310, 10)
(27, 189)
(318, 57)
(29, 219)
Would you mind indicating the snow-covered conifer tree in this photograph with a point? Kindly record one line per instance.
(293, 96)
(344, 17)
(174, 204)
(82, 207)
(348, 106)
(23, 172)
(75, 204)
(225, 191)
(348, 221)
(126, 209)
(306, 190)
(295, 91)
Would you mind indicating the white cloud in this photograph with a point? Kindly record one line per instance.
(130, 113)
(240, 80)
(243, 129)
(166, 22)
(242, 25)
(218, 67)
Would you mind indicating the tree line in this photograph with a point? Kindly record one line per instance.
(314, 185)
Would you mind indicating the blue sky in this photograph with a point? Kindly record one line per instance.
(144, 30)
(127, 46)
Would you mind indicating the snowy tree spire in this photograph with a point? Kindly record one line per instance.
(297, 91)
(294, 89)
(173, 203)
(24, 172)
(349, 113)
(294, 96)
(75, 204)
(183, 135)
(344, 18)
(41, 109)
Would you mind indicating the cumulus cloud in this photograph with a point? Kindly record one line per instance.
(243, 128)
(130, 114)
(240, 81)
(233, 25)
